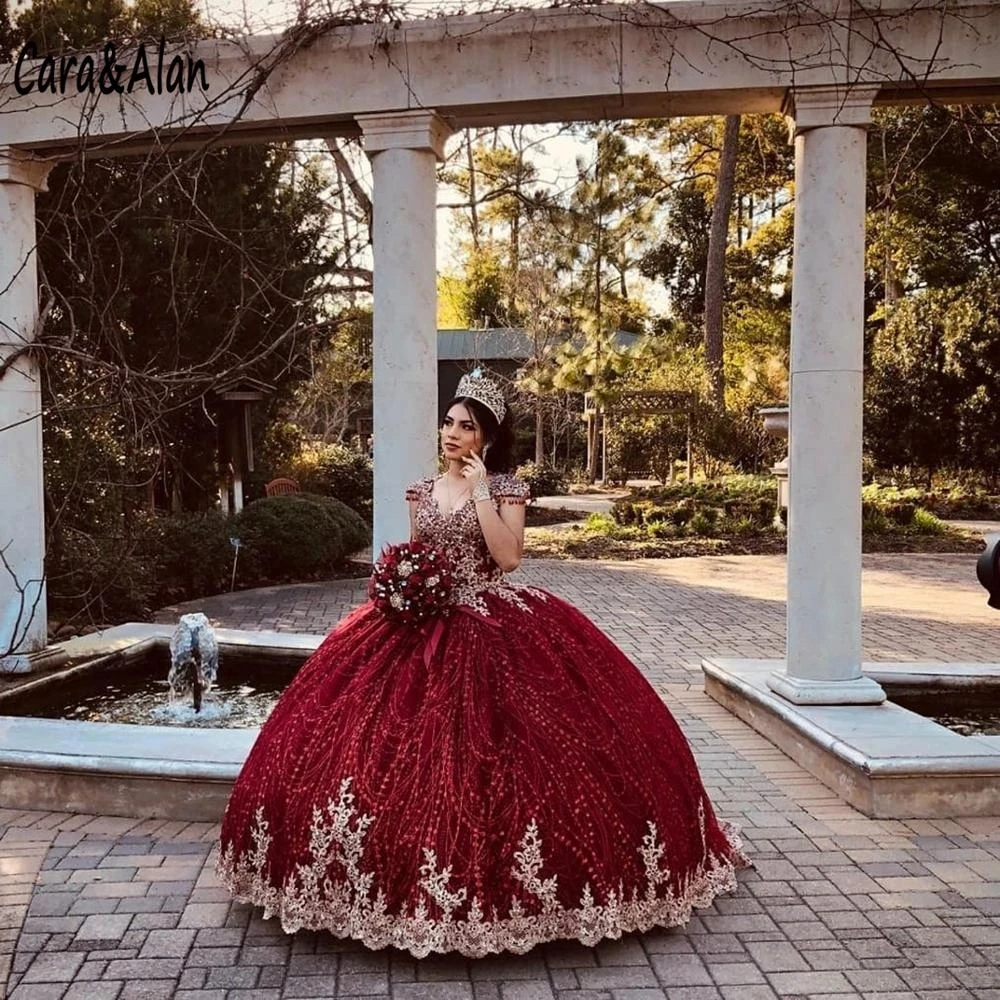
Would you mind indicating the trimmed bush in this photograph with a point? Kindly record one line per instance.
(297, 536)
(543, 480)
(191, 554)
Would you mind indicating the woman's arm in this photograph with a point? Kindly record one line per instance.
(503, 531)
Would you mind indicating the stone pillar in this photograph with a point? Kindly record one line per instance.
(824, 516)
(23, 622)
(404, 148)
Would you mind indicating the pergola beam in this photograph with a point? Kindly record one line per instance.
(611, 61)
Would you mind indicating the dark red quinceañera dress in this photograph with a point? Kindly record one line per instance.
(494, 779)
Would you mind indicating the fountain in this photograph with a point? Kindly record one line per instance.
(103, 735)
(194, 659)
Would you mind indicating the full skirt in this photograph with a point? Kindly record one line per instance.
(480, 783)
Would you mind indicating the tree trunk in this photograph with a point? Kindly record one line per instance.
(473, 207)
(539, 433)
(715, 272)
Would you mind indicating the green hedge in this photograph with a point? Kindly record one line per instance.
(160, 560)
(297, 536)
(99, 578)
(543, 480)
(190, 554)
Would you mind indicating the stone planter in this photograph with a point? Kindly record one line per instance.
(776, 424)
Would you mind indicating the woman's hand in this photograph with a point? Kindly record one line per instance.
(475, 469)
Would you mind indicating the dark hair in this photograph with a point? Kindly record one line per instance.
(499, 437)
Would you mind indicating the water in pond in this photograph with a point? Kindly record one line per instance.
(972, 712)
(136, 692)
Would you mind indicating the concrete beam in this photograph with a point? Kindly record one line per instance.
(535, 66)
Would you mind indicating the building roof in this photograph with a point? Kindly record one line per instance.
(501, 343)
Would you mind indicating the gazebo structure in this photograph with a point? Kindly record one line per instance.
(405, 88)
(640, 403)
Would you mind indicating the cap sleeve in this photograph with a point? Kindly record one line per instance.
(417, 489)
(509, 489)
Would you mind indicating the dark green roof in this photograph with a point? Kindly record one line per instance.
(499, 343)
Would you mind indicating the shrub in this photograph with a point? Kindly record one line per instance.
(724, 506)
(682, 512)
(543, 480)
(339, 472)
(600, 522)
(705, 522)
(885, 507)
(297, 535)
(101, 578)
(925, 523)
(191, 553)
(662, 529)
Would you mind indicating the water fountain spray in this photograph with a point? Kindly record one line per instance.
(194, 658)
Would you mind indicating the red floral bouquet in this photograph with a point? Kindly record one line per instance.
(410, 581)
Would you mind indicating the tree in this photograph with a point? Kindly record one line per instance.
(166, 277)
(932, 398)
(162, 278)
(715, 268)
(339, 382)
(743, 324)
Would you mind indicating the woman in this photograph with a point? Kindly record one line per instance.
(502, 777)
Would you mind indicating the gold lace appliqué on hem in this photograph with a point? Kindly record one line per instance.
(354, 907)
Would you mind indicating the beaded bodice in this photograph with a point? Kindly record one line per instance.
(460, 537)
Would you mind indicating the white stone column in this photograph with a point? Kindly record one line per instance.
(824, 515)
(404, 148)
(23, 623)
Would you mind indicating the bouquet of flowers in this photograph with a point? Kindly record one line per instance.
(410, 581)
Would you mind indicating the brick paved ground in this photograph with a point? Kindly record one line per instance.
(839, 906)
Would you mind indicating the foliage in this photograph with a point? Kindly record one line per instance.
(887, 510)
(953, 501)
(191, 553)
(543, 480)
(296, 536)
(932, 392)
(735, 506)
(125, 572)
(338, 387)
(934, 195)
(483, 298)
(340, 472)
(163, 278)
(100, 578)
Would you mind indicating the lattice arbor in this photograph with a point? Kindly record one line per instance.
(644, 431)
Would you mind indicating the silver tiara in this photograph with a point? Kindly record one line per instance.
(483, 390)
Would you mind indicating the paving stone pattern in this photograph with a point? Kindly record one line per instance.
(838, 906)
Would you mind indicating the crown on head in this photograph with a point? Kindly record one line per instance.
(475, 385)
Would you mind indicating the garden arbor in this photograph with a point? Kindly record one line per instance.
(404, 88)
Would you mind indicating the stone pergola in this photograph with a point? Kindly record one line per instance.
(405, 89)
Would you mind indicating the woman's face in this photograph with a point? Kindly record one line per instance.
(460, 434)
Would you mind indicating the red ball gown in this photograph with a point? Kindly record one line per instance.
(497, 778)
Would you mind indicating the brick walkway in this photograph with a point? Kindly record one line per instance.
(839, 906)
